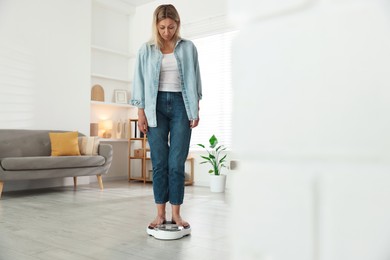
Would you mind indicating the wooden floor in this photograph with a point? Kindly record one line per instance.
(59, 223)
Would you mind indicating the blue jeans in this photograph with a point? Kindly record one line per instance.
(169, 145)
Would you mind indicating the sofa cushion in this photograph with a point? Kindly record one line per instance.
(64, 144)
(50, 162)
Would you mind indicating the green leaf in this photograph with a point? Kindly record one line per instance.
(201, 145)
(223, 159)
(213, 141)
(206, 158)
(211, 171)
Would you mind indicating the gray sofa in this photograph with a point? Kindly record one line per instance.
(25, 155)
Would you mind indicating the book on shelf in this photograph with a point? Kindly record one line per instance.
(135, 132)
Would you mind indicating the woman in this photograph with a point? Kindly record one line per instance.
(167, 89)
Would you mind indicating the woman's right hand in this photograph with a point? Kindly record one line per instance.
(142, 121)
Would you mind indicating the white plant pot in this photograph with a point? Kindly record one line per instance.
(217, 183)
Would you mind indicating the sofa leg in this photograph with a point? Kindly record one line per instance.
(100, 181)
(75, 182)
(1, 187)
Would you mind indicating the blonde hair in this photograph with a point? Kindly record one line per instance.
(163, 12)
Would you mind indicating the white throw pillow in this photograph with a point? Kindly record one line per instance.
(89, 145)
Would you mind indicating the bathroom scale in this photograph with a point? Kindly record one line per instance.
(168, 231)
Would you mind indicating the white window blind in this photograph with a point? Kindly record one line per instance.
(216, 105)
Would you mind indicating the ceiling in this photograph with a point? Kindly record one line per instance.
(137, 2)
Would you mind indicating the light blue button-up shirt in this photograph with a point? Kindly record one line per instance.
(147, 75)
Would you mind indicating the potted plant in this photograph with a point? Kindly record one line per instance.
(217, 160)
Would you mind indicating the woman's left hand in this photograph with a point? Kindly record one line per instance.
(194, 123)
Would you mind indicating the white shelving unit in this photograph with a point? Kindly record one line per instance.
(110, 78)
(119, 53)
(109, 104)
(111, 60)
(111, 140)
(111, 67)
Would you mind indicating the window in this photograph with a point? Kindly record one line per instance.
(216, 105)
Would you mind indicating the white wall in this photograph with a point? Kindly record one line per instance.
(311, 77)
(55, 39)
(45, 74)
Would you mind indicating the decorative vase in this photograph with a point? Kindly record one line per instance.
(217, 183)
(94, 129)
(117, 129)
(126, 130)
(97, 93)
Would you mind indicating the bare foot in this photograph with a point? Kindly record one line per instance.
(159, 220)
(180, 222)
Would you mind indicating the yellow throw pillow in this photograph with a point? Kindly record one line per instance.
(64, 144)
(89, 145)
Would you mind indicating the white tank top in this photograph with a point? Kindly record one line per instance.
(169, 74)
